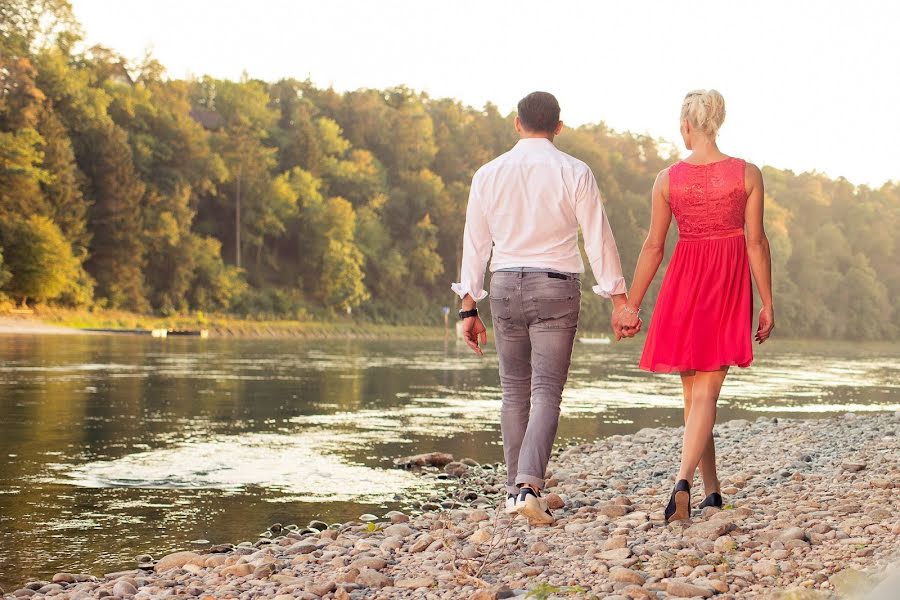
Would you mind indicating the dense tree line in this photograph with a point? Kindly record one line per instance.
(120, 187)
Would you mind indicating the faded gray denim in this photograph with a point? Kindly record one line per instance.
(535, 318)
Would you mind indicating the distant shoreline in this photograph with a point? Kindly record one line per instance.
(217, 328)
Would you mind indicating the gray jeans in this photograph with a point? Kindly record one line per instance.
(535, 318)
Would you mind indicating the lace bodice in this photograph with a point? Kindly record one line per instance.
(708, 200)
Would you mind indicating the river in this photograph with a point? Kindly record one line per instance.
(115, 446)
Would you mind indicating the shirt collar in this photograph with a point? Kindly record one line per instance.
(528, 143)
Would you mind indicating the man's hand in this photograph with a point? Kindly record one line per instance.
(624, 323)
(475, 334)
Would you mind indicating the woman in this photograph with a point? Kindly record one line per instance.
(702, 320)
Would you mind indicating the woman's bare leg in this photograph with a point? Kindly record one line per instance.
(708, 458)
(701, 417)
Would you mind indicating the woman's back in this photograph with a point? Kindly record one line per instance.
(708, 201)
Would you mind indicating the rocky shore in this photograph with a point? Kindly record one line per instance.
(813, 511)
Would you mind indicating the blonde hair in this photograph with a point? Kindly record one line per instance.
(705, 110)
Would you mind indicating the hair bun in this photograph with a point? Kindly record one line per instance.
(705, 110)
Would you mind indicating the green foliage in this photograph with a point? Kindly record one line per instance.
(544, 590)
(39, 259)
(283, 199)
(5, 275)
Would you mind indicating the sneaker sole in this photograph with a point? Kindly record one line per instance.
(534, 512)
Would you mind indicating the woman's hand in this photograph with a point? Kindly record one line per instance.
(626, 322)
(766, 324)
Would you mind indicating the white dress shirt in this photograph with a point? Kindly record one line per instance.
(529, 203)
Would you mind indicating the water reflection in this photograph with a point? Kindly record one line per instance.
(115, 446)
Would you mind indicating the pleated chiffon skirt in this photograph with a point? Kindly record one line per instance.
(703, 318)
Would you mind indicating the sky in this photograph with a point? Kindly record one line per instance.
(808, 85)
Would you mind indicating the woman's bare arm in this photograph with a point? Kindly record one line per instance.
(654, 247)
(758, 250)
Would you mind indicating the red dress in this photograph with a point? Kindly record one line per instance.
(703, 319)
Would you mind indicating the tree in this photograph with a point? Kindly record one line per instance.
(342, 276)
(39, 258)
(424, 260)
(62, 188)
(5, 275)
(116, 259)
(27, 24)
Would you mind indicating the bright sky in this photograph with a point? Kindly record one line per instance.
(808, 85)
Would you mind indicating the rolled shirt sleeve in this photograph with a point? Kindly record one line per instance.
(599, 243)
(477, 244)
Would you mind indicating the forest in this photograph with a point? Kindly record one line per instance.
(123, 188)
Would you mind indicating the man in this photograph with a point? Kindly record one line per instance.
(528, 204)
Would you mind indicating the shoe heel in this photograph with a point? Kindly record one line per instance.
(679, 507)
(682, 506)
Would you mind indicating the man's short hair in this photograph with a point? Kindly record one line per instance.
(539, 112)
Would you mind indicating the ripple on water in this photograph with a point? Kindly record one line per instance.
(290, 464)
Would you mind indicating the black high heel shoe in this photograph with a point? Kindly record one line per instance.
(714, 499)
(679, 507)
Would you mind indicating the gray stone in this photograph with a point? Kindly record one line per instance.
(373, 579)
(683, 589)
(124, 589)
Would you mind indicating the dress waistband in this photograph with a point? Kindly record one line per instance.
(717, 235)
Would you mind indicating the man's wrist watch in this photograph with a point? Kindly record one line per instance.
(465, 314)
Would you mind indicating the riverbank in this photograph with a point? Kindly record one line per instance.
(812, 512)
(59, 321)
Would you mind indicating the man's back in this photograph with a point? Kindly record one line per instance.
(526, 205)
(528, 197)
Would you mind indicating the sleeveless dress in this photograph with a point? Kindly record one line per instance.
(703, 319)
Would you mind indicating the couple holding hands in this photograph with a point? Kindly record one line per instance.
(524, 211)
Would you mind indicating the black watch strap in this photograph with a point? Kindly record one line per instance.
(465, 314)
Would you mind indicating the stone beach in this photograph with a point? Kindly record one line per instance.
(812, 511)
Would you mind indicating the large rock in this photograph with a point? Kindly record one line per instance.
(241, 570)
(709, 530)
(422, 542)
(455, 469)
(369, 562)
(400, 530)
(480, 537)
(554, 501)
(792, 533)
(432, 459)
(174, 561)
(123, 589)
(321, 588)
(614, 510)
(616, 554)
(683, 589)
(371, 578)
(415, 582)
(623, 575)
(767, 568)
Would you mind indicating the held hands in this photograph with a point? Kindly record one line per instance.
(766, 324)
(626, 323)
(475, 334)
